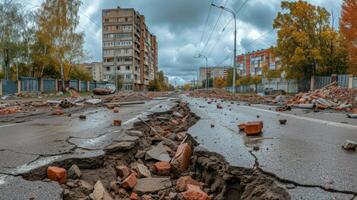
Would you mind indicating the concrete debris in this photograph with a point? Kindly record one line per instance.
(74, 172)
(122, 171)
(152, 185)
(350, 145)
(120, 146)
(93, 101)
(143, 171)
(177, 114)
(82, 117)
(158, 152)
(100, 193)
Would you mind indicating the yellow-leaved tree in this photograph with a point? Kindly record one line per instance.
(307, 44)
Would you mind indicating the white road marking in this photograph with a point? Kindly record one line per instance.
(7, 125)
(330, 123)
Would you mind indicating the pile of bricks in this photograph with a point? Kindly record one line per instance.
(331, 96)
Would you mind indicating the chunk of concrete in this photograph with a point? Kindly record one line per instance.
(74, 172)
(120, 146)
(143, 171)
(100, 193)
(152, 185)
(158, 152)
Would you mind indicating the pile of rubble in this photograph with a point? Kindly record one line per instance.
(157, 159)
(222, 94)
(331, 96)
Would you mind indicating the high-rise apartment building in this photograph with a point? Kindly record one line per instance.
(130, 51)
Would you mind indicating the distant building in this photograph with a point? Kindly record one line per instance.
(129, 49)
(252, 63)
(95, 69)
(213, 72)
(166, 79)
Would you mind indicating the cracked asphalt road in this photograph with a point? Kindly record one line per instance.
(305, 153)
(53, 136)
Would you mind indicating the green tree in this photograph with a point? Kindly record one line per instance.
(305, 40)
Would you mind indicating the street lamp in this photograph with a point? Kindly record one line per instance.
(235, 42)
(205, 57)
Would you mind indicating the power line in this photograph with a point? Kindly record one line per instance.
(224, 28)
(206, 22)
(215, 26)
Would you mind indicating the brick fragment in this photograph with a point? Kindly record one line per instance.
(130, 181)
(162, 168)
(57, 174)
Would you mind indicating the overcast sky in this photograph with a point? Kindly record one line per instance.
(182, 31)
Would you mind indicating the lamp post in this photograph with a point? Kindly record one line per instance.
(235, 42)
(206, 69)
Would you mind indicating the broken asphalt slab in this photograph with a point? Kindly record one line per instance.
(16, 188)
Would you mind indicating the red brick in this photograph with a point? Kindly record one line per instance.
(134, 196)
(241, 127)
(57, 174)
(194, 192)
(182, 182)
(116, 122)
(58, 112)
(253, 128)
(182, 158)
(162, 168)
(130, 181)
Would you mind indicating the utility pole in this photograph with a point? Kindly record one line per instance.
(206, 68)
(235, 43)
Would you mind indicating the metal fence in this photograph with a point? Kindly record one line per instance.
(9, 87)
(49, 85)
(29, 84)
(289, 86)
(322, 81)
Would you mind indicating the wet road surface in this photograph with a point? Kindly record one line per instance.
(306, 152)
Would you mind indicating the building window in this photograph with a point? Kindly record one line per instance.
(127, 67)
(108, 68)
(118, 67)
(128, 76)
(106, 19)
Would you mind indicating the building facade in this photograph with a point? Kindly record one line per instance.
(252, 63)
(95, 69)
(213, 72)
(130, 51)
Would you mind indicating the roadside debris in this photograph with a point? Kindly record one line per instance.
(328, 97)
(350, 145)
(282, 121)
(116, 122)
(251, 128)
(57, 174)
